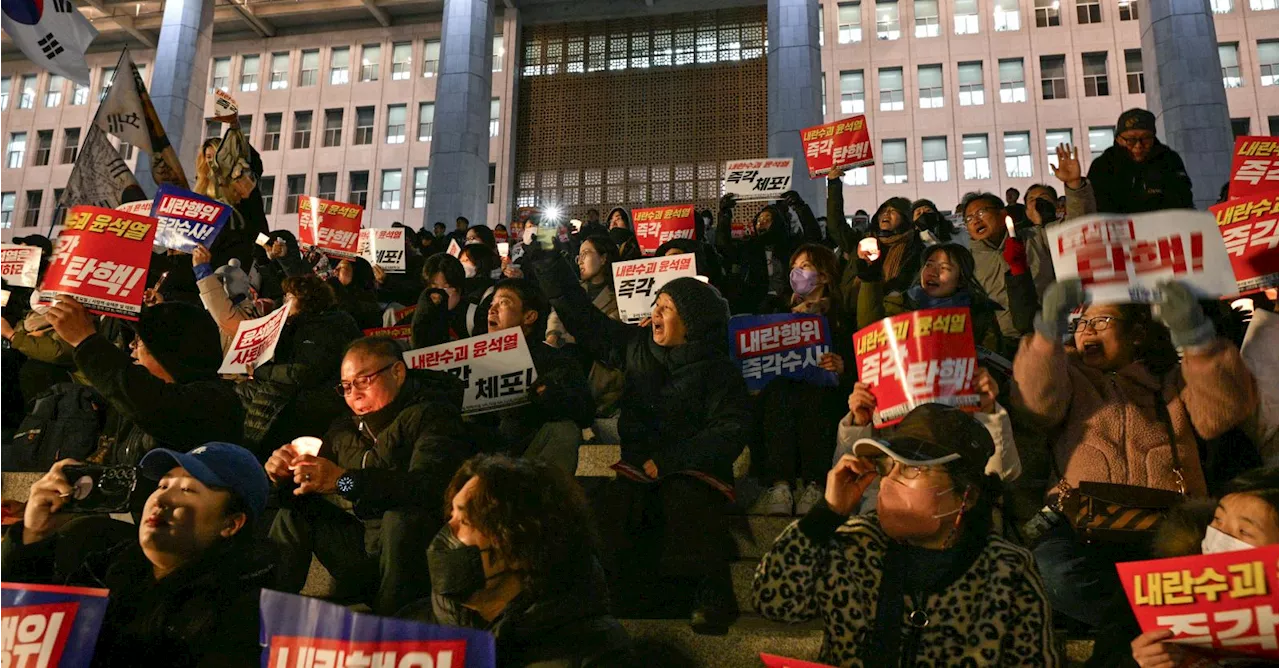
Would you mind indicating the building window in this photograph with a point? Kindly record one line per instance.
(309, 71)
(935, 159)
(267, 187)
(849, 22)
(1013, 86)
(70, 145)
(53, 90)
(1007, 18)
(401, 60)
(212, 129)
(279, 71)
(1047, 15)
(27, 90)
(894, 154)
(972, 93)
(109, 76)
(500, 52)
(887, 24)
(1133, 72)
(822, 76)
(926, 12)
(822, 27)
(1100, 139)
(295, 186)
(1052, 140)
(79, 94)
(966, 17)
(327, 186)
(430, 57)
(1017, 155)
(1273, 123)
(271, 133)
(852, 93)
(358, 188)
(977, 164)
(301, 129)
(1129, 10)
(125, 150)
(396, 119)
(35, 198)
(4, 92)
(930, 82)
(221, 79)
(332, 127)
(495, 113)
(1229, 54)
(1262, 5)
(16, 152)
(370, 61)
(7, 202)
(857, 177)
(1269, 61)
(249, 73)
(891, 98)
(364, 126)
(44, 146)
(246, 127)
(340, 66)
(1095, 74)
(493, 184)
(426, 120)
(1053, 77)
(1088, 11)
(1220, 6)
(390, 195)
(1239, 127)
(420, 187)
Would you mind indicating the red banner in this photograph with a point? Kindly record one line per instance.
(400, 333)
(658, 225)
(1223, 602)
(917, 358)
(844, 143)
(101, 259)
(1248, 227)
(1254, 167)
(775, 661)
(332, 227)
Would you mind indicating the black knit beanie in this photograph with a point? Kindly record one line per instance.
(183, 338)
(704, 312)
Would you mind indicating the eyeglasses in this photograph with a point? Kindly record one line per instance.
(1132, 141)
(360, 383)
(984, 212)
(1098, 324)
(885, 465)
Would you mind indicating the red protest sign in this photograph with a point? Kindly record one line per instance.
(332, 227)
(658, 225)
(1225, 602)
(775, 661)
(843, 143)
(400, 333)
(1254, 167)
(101, 259)
(1248, 227)
(917, 358)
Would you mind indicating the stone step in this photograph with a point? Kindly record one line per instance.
(740, 648)
(594, 460)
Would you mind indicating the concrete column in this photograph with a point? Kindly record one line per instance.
(795, 88)
(180, 82)
(1185, 92)
(512, 25)
(459, 181)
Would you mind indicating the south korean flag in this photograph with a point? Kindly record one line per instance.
(52, 33)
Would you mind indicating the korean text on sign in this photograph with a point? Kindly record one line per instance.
(1123, 259)
(787, 345)
(1255, 167)
(757, 179)
(401, 333)
(255, 342)
(658, 225)
(20, 265)
(383, 247)
(844, 143)
(1225, 602)
(495, 367)
(101, 258)
(637, 282)
(925, 356)
(187, 219)
(1248, 228)
(331, 227)
(49, 625)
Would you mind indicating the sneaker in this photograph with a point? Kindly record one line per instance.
(715, 608)
(775, 501)
(808, 497)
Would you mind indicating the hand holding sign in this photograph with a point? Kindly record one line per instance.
(70, 320)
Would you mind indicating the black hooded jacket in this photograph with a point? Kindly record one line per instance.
(758, 264)
(1121, 185)
(266, 276)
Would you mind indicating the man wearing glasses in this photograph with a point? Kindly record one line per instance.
(1014, 269)
(368, 503)
(1138, 173)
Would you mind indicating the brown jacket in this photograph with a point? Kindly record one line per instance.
(1106, 423)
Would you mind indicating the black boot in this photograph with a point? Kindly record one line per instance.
(714, 607)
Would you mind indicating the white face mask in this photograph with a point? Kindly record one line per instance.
(1217, 542)
(469, 270)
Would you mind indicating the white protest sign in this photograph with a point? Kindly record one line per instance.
(223, 104)
(20, 265)
(454, 249)
(1122, 259)
(757, 179)
(496, 368)
(383, 247)
(255, 342)
(636, 283)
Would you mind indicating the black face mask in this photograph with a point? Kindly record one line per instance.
(1048, 211)
(457, 570)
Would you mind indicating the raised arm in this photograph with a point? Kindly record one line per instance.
(604, 338)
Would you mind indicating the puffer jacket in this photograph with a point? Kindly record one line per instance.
(1121, 185)
(992, 273)
(1107, 425)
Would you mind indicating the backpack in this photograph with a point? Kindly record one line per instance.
(64, 422)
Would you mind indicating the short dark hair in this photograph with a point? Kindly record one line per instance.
(439, 224)
(972, 197)
(532, 298)
(1053, 192)
(536, 515)
(454, 274)
(378, 347)
(1259, 482)
(310, 292)
(595, 211)
(1006, 190)
(462, 219)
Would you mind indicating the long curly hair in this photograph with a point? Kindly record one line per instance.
(205, 183)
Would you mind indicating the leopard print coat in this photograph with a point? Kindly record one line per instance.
(995, 614)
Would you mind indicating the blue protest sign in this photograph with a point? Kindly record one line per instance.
(781, 345)
(48, 625)
(187, 219)
(301, 631)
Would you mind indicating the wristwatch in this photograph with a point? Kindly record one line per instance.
(345, 484)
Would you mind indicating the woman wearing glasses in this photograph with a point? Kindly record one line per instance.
(924, 580)
(1098, 397)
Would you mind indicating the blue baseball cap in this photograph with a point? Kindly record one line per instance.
(222, 465)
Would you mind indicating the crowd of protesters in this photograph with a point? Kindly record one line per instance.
(913, 542)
